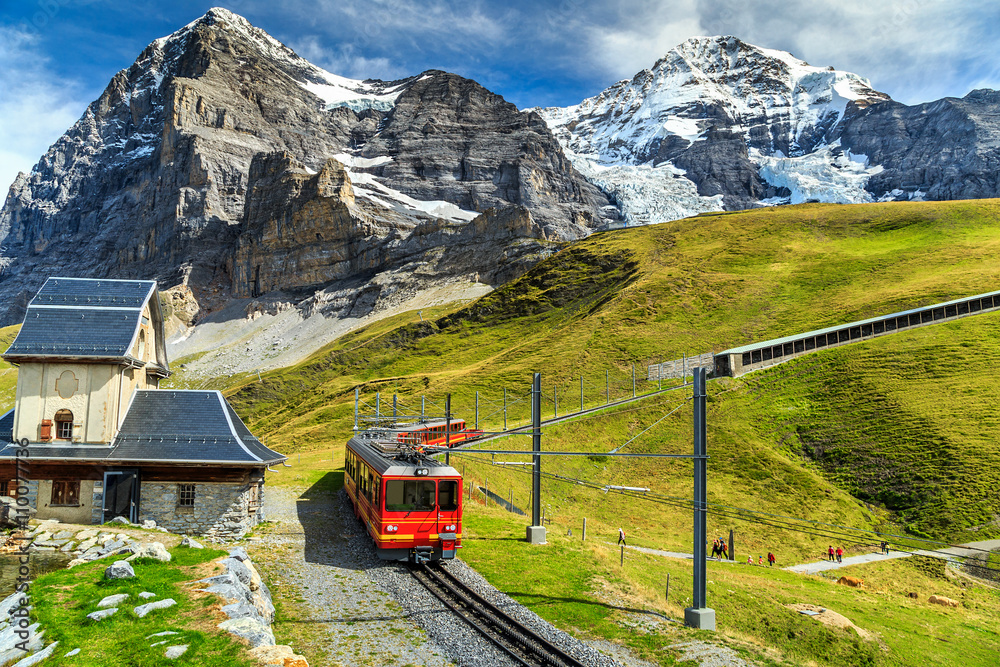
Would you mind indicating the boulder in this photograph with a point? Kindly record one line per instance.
(12, 516)
(942, 600)
(174, 652)
(102, 614)
(112, 600)
(851, 581)
(144, 609)
(154, 550)
(251, 629)
(239, 553)
(121, 521)
(119, 570)
(280, 655)
(149, 524)
(145, 595)
(37, 657)
(87, 534)
(191, 543)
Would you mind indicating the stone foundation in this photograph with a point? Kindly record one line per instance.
(223, 511)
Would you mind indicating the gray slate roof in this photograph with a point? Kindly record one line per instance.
(169, 426)
(82, 317)
(7, 426)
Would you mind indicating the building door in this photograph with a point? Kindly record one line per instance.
(121, 495)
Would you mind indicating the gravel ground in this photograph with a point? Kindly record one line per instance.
(332, 567)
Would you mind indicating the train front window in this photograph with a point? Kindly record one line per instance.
(448, 495)
(409, 495)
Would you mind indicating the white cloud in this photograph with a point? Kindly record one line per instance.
(36, 105)
(345, 60)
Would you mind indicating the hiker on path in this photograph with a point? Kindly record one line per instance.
(725, 551)
(771, 558)
(749, 560)
(830, 552)
(885, 547)
(621, 537)
(840, 553)
(760, 561)
(715, 549)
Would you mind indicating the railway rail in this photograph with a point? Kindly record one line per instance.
(519, 643)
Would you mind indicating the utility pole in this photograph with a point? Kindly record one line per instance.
(536, 531)
(581, 393)
(607, 386)
(423, 407)
(447, 429)
(633, 380)
(378, 409)
(477, 410)
(505, 408)
(698, 615)
(555, 401)
(394, 406)
(357, 393)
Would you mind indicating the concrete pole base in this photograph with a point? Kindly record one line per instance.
(700, 619)
(535, 535)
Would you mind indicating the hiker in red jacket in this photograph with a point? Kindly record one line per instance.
(830, 552)
(840, 553)
(771, 558)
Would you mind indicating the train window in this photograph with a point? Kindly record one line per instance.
(448, 495)
(368, 487)
(405, 495)
(376, 490)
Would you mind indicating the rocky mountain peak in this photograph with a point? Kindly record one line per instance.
(180, 170)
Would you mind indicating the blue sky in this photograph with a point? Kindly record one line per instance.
(57, 55)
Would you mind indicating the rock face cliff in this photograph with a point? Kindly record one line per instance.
(223, 162)
(721, 124)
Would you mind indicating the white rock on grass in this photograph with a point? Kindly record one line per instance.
(189, 542)
(165, 633)
(119, 570)
(151, 550)
(102, 614)
(36, 658)
(145, 595)
(174, 652)
(72, 653)
(112, 600)
(254, 631)
(87, 534)
(144, 609)
(149, 524)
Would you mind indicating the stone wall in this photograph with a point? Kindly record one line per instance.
(220, 510)
(97, 502)
(81, 513)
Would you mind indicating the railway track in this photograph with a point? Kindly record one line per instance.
(519, 643)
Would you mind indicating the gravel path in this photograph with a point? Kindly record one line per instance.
(369, 612)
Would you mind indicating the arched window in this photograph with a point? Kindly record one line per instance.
(142, 345)
(64, 425)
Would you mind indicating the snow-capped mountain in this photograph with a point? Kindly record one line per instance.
(719, 123)
(223, 161)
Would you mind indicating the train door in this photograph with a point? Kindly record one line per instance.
(448, 515)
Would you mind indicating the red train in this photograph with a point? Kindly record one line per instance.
(437, 433)
(410, 504)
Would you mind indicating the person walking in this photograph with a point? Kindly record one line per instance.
(760, 561)
(621, 537)
(715, 548)
(771, 558)
(725, 551)
(885, 547)
(840, 554)
(749, 560)
(830, 552)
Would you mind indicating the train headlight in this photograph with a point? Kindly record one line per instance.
(392, 529)
(422, 472)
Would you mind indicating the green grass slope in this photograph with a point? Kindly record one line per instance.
(902, 423)
(707, 283)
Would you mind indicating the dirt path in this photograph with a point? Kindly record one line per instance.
(329, 610)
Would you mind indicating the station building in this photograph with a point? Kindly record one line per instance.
(101, 439)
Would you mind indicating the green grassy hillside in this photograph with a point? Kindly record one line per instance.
(902, 423)
(869, 418)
